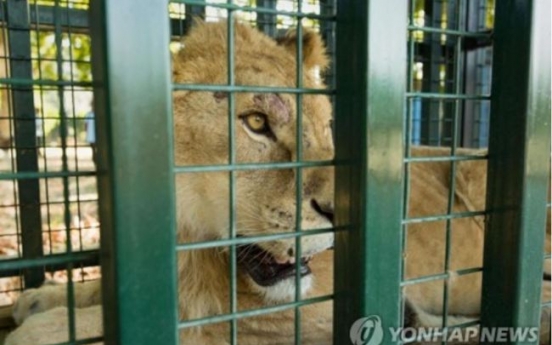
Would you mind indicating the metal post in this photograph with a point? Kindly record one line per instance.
(25, 136)
(431, 122)
(370, 106)
(267, 22)
(133, 81)
(519, 156)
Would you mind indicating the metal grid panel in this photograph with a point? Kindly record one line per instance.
(135, 193)
(435, 101)
(49, 224)
(287, 14)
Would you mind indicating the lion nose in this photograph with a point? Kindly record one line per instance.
(325, 209)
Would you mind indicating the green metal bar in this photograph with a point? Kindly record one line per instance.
(22, 81)
(49, 260)
(19, 42)
(445, 96)
(448, 216)
(233, 7)
(252, 239)
(298, 171)
(457, 69)
(445, 158)
(441, 276)
(231, 80)
(519, 156)
(44, 16)
(44, 175)
(94, 340)
(369, 171)
(137, 208)
(243, 88)
(91, 258)
(250, 166)
(64, 131)
(251, 313)
(461, 33)
(431, 125)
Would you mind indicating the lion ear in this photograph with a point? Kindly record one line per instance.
(314, 52)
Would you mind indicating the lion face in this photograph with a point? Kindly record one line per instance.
(265, 131)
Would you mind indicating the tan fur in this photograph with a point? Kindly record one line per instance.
(266, 200)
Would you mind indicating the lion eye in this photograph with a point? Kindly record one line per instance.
(257, 123)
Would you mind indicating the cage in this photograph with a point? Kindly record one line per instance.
(450, 74)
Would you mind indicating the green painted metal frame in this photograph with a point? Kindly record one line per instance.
(136, 183)
(370, 105)
(19, 33)
(519, 171)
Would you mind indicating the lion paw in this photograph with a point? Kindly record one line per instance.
(34, 301)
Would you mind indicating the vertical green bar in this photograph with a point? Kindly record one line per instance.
(133, 104)
(22, 100)
(519, 154)
(371, 84)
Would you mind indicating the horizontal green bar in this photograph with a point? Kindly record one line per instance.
(441, 276)
(250, 88)
(83, 341)
(250, 313)
(445, 158)
(547, 256)
(481, 34)
(87, 262)
(43, 82)
(263, 10)
(252, 239)
(414, 220)
(46, 174)
(54, 259)
(448, 96)
(250, 166)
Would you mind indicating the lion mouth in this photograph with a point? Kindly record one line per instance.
(263, 268)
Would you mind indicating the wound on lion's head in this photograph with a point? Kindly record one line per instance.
(220, 95)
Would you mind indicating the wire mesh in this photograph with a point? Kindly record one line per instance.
(439, 99)
(274, 18)
(48, 196)
(48, 212)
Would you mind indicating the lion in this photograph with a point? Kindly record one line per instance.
(265, 131)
